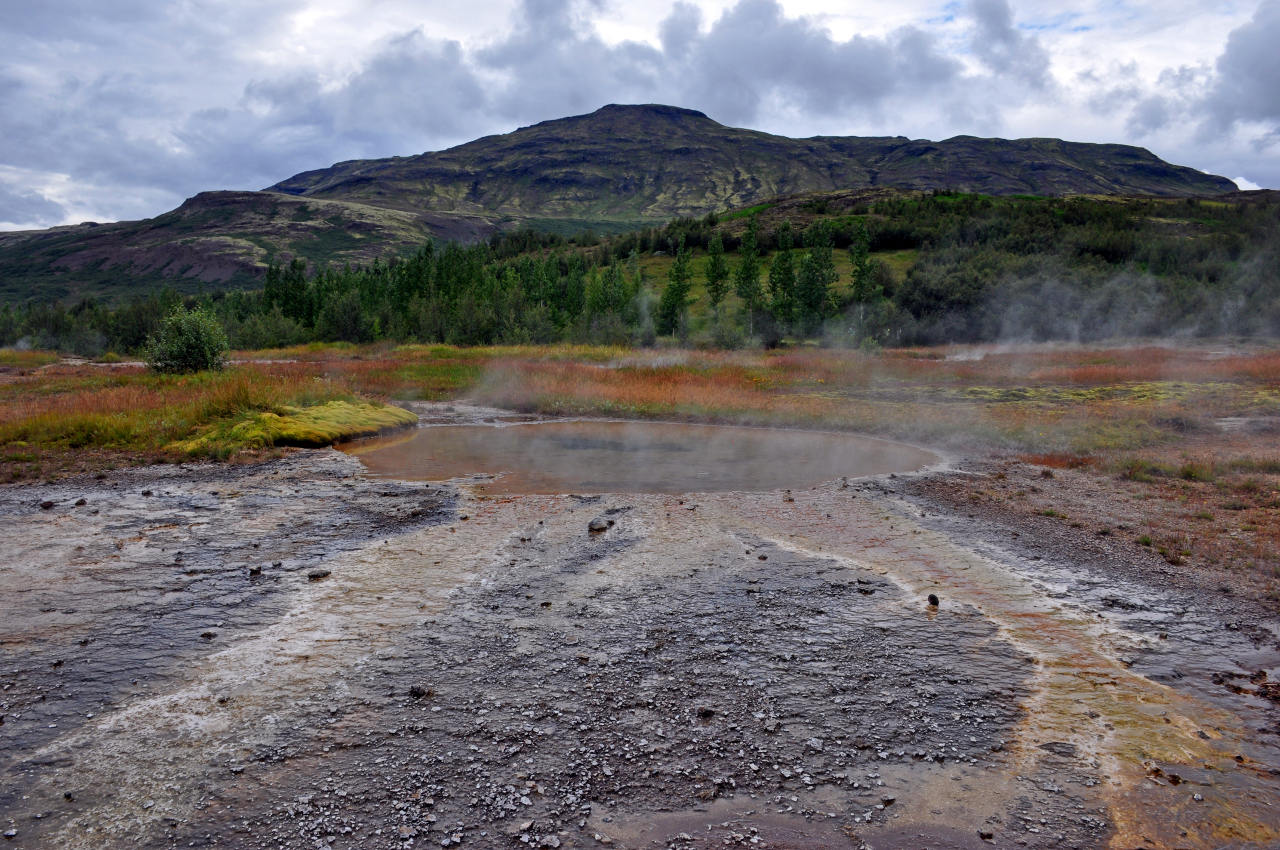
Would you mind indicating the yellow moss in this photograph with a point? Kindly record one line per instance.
(318, 425)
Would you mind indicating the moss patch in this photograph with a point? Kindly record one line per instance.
(318, 425)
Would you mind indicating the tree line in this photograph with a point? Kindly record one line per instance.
(940, 267)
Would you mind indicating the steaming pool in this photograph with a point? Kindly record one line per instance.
(631, 457)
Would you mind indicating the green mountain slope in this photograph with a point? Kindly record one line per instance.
(655, 162)
(214, 240)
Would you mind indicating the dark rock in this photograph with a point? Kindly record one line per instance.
(146, 492)
(208, 635)
(316, 575)
(985, 835)
(46, 505)
(598, 525)
(933, 600)
(80, 503)
(420, 692)
(1060, 748)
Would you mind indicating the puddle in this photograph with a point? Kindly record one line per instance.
(632, 457)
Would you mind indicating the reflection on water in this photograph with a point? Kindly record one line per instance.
(634, 457)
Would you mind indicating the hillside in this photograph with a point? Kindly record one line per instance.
(656, 162)
(617, 169)
(215, 240)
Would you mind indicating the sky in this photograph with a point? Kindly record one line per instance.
(122, 109)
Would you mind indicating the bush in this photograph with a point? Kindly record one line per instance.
(188, 341)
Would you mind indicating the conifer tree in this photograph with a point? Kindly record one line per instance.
(746, 277)
(675, 297)
(717, 273)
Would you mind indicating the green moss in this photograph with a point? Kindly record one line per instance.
(318, 425)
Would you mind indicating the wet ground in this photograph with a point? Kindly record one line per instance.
(299, 654)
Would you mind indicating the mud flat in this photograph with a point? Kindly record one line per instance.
(302, 654)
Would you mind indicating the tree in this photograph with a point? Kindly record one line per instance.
(675, 297)
(782, 278)
(717, 273)
(746, 277)
(817, 274)
(188, 341)
(860, 260)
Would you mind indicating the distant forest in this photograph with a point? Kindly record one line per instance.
(896, 270)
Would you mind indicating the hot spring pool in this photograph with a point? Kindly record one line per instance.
(631, 457)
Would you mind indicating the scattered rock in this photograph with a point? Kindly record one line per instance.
(208, 635)
(317, 575)
(421, 692)
(255, 570)
(46, 505)
(80, 503)
(146, 492)
(933, 600)
(985, 835)
(1060, 748)
(599, 524)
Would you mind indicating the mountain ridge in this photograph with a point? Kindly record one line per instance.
(621, 161)
(619, 167)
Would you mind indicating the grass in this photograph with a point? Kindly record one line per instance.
(129, 411)
(16, 358)
(309, 427)
(1062, 407)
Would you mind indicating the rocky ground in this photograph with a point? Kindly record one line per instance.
(293, 654)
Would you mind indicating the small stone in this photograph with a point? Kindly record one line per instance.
(317, 575)
(11, 833)
(46, 505)
(255, 570)
(933, 600)
(80, 503)
(985, 835)
(208, 635)
(420, 691)
(146, 492)
(598, 525)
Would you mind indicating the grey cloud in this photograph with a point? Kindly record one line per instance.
(1248, 72)
(22, 207)
(1149, 115)
(679, 30)
(751, 55)
(1005, 50)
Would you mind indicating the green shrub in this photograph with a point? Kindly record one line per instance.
(188, 341)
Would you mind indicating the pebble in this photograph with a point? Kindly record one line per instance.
(316, 575)
(598, 525)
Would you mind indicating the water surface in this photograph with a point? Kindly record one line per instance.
(632, 457)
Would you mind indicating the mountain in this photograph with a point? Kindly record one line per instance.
(651, 163)
(617, 168)
(214, 240)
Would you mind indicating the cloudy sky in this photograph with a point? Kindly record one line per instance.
(117, 109)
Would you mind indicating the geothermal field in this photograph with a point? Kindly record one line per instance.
(949, 598)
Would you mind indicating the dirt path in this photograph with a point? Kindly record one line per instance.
(419, 665)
